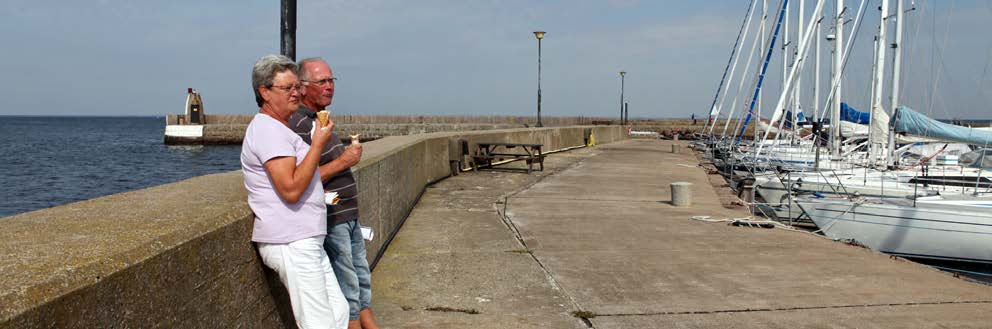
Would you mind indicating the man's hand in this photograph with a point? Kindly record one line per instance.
(352, 154)
(348, 158)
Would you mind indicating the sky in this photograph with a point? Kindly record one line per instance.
(434, 57)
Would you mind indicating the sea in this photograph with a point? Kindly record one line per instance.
(51, 161)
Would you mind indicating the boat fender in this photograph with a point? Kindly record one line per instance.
(819, 195)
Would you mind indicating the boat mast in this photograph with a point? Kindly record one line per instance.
(816, 71)
(896, 70)
(762, 30)
(872, 87)
(764, 43)
(740, 86)
(785, 76)
(714, 110)
(796, 92)
(835, 73)
(717, 107)
(793, 75)
(785, 47)
(877, 110)
(761, 76)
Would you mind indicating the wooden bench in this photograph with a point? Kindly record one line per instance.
(498, 151)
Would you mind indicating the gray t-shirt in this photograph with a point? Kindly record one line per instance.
(277, 221)
(344, 182)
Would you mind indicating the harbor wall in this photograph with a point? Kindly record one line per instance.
(179, 255)
(229, 129)
(233, 134)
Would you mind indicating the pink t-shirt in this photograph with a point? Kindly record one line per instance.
(277, 221)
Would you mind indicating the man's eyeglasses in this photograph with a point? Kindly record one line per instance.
(289, 89)
(328, 81)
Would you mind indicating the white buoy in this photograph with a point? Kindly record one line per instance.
(681, 194)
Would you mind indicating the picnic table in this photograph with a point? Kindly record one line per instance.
(498, 151)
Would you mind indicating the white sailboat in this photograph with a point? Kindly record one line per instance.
(936, 227)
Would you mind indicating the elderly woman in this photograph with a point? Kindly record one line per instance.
(285, 192)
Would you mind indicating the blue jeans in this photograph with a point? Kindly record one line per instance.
(346, 249)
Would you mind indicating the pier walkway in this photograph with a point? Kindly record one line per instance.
(592, 242)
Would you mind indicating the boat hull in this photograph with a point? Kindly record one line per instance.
(959, 235)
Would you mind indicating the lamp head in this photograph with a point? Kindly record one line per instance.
(622, 73)
(539, 34)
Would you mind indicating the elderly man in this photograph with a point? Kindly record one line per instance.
(344, 243)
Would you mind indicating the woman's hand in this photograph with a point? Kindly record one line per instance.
(321, 135)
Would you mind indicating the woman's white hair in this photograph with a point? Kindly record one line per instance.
(265, 71)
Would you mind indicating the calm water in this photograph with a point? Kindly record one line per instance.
(50, 161)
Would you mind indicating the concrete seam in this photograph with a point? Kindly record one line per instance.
(747, 310)
(516, 234)
(598, 200)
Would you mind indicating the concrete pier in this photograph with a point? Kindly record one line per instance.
(179, 255)
(592, 242)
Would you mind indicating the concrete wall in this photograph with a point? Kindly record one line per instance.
(179, 255)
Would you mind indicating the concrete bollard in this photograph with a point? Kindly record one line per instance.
(675, 148)
(681, 194)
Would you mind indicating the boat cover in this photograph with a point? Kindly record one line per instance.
(981, 158)
(799, 115)
(849, 114)
(910, 122)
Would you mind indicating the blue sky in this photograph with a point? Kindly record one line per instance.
(442, 57)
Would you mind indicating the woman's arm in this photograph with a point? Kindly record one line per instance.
(290, 180)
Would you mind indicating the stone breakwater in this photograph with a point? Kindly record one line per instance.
(179, 255)
(233, 134)
(225, 129)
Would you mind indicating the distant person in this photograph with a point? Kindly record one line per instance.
(344, 243)
(693, 119)
(284, 191)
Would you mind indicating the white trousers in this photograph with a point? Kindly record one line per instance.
(306, 272)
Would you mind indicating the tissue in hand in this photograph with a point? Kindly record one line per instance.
(331, 198)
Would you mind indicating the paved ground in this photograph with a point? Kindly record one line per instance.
(592, 242)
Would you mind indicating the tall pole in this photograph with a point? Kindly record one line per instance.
(622, 74)
(764, 42)
(793, 75)
(897, 57)
(626, 112)
(539, 35)
(797, 91)
(288, 29)
(816, 72)
(837, 67)
(896, 68)
(714, 112)
(876, 137)
(785, 48)
(761, 77)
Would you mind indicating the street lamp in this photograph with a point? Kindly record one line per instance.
(622, 73)
(539, 35)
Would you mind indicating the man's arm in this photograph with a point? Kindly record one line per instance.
(348, 159)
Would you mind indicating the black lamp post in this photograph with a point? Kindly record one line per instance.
(626, 113)
(622, 73)
(539, 35)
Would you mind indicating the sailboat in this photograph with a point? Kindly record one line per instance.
(954, 227)
(935, 227)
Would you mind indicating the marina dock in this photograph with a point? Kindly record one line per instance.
(593, 242)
